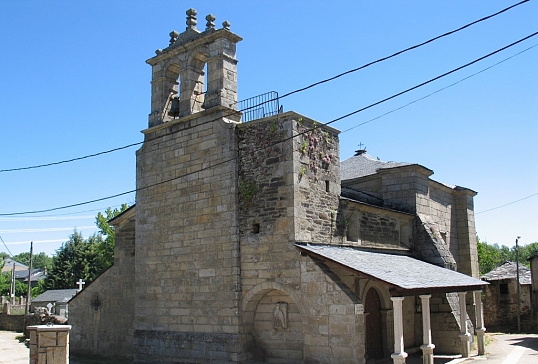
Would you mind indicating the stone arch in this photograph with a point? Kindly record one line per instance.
(386, 314)
(273, 319)
(193, 88)
(382, 291)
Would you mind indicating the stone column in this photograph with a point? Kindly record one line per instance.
(464, 333)
(49, 344)
(427, 346)
(480, 329)
(399, 354)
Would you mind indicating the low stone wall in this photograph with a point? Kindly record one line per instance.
(17, 322)
(11, 322)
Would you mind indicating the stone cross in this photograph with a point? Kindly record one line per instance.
(50, 306)
(80, 284)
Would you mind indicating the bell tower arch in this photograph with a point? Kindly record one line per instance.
(178, 71)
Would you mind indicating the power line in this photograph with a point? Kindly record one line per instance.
(439, 90)
(43, 230)
(507, 204)
(403, 51)
(344, 131)
(417, 86)
(71, 160)
(10, 253)
(287, 94)
(283, 140)
(53, 217)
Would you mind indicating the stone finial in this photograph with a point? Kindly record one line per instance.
(226, 24)
(173, 36)
(210, 21)
(191, 19)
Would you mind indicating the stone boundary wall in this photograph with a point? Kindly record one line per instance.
(12, 322)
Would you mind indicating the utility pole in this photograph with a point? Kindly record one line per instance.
(28, 295)
(12, 286)
(517, 287)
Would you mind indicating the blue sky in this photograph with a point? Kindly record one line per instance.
(75, 82)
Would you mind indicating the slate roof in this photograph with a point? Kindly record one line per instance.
(56, 295)
(407, 275)
(508, 270)
(8, 265)
(364, 165)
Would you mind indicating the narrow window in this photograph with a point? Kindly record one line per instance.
(255, 228)
(327, 189)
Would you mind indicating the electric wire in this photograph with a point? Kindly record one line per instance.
(10, 253)
(403, 51)
(282, 140)
(507, 204)
(415, 87)
(368, 121)
(439, 90)
(287, 94)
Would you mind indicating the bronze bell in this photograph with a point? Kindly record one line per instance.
(174, 108)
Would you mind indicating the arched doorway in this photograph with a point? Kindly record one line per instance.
(374, 333)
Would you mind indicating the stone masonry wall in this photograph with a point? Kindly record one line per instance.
(102, 314)
(187, 268)
(364, 225)
(467, 247)
(444, 326)
(500, 310)
(334, 333)
(287, 196)
(445, 212)
(316, 156)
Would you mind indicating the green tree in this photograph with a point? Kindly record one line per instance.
(489, 256)
(40, 260)
(5, 283)
(37, 290)
(492, 256)
(106, 235)
(84, 259)
(76, 259)
(5, 286)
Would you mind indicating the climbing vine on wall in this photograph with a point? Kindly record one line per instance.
(316, 145)
(248, 190)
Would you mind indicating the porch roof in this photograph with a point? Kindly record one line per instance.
(405, 275)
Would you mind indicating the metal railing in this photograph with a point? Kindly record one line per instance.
(260, 106)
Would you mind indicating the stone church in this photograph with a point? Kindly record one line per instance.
(251, 241)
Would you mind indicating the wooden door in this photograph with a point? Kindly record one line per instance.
(374, 337)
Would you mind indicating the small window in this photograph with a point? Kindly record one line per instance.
(327, 186)
(503, 288)
(255, 228)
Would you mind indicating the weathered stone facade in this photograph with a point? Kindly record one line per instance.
(445, 217)
(103, 323)
(501, 297)
(209, 263)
